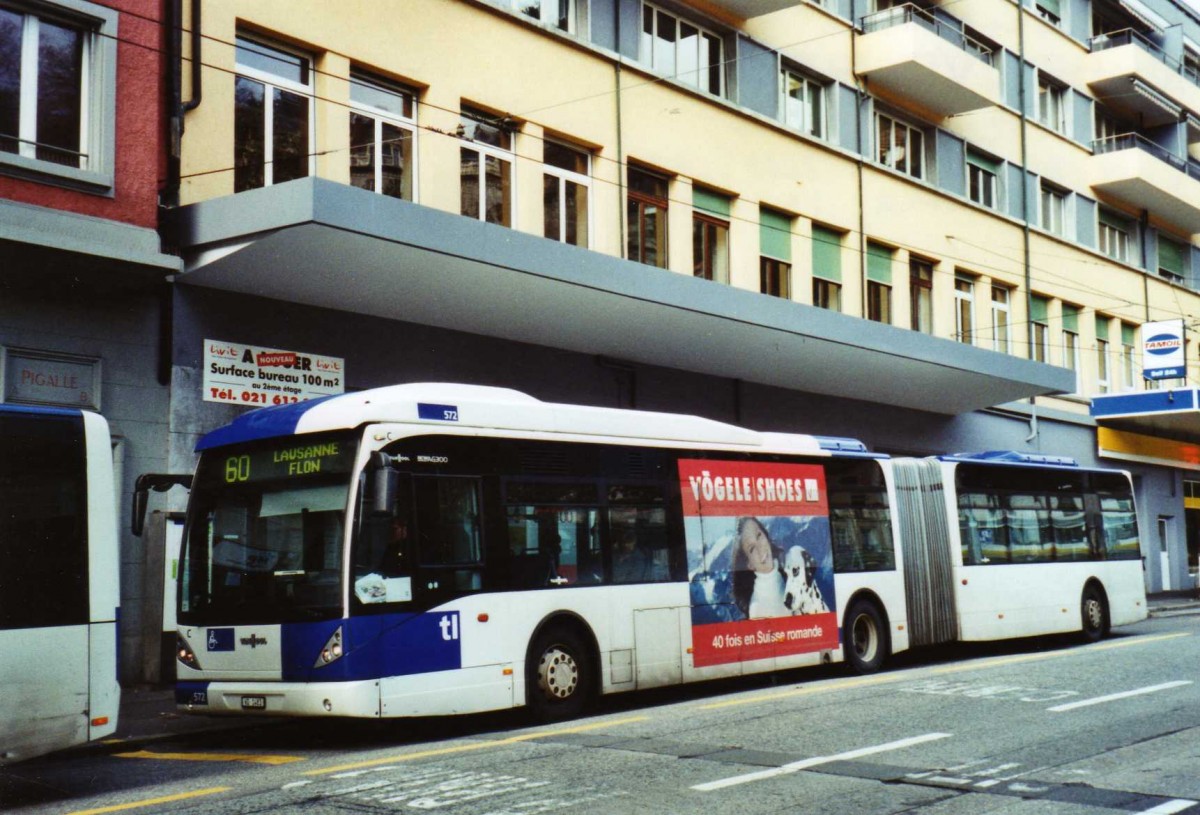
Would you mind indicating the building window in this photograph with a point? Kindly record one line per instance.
(775, 253)
(1171, 260)
(647, 218)
(1054, 208)
(558, 14)
(382, 132)
(1102, 366)
(920, 293)
(58, 92)
(1001, 320)
(1051, 109)
(1050, 11)
(826, 268)
(1070, 323)
(485, 171)
(672, 45)
(901, 146)
(964, 309)
(879, 280)
(566, 191)
(1114, 236)
(981, 179)
(1040, 350)
(803, 103)
(1128, 360)
(272, 122)
(827, 294)
(710, 235)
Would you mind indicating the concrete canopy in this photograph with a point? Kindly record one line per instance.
(321, 243)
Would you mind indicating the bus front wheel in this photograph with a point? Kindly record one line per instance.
(559, 674)
(864, 637)
(1094, 613)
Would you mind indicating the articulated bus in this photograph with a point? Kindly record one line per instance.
(430, 549)
(58, 581)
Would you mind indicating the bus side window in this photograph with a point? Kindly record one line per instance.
(638, 545)
(859, 518)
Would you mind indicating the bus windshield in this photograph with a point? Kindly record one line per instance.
(265, 534)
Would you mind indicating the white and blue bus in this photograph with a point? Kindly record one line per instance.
(58, 581)
(431, 549)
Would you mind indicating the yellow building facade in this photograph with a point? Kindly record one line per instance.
(1013, 182)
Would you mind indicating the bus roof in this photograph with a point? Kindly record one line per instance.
(455, 405)
(41, 410)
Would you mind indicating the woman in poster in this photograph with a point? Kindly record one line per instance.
(758, 576)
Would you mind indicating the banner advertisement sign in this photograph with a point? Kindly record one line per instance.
(1163, 350)
(249, 375)
(760, 560)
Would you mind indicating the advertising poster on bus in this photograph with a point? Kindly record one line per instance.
(760, 562)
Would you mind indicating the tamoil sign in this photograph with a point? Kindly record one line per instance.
(1163, 350)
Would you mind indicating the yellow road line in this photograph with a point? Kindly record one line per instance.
(884, 679)
(808, 690)
(252, 759)
(149, 802)
(480, 745)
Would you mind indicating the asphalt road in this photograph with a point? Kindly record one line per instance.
(1037, 726)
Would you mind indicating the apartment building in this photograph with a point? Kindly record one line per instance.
(934, 227)
(82, 274)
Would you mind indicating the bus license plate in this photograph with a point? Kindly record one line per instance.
(254, 703)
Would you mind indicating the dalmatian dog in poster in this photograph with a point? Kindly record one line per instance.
(800, 592)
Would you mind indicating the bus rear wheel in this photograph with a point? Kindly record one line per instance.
(1094, 613)
(559, 675)
(864, 637)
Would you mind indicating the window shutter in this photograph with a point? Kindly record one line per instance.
(879, 263)
(710, 202)
(1170, 257)
(1070, 318)
(826, 254)
(1127, 334)
(775, 234)
(1101, 328)
(1037, 309)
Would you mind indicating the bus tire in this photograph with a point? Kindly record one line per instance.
(864, 637)
(559, 676)
(1093, 612)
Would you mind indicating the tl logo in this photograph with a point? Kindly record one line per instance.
(449, 626)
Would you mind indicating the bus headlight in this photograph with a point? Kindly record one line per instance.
(332, 650)
(184, 653)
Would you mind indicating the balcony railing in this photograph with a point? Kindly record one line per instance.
(947, 31)
(1133, 141)
(1128, 36)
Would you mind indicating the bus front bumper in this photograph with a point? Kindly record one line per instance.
(356, 699)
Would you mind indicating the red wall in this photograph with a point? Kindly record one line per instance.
(140, 145)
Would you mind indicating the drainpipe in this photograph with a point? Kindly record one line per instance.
(860, 97)
(1025, 230)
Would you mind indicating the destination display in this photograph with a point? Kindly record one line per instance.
(296, 460)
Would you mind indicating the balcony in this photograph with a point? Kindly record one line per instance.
(1134, 76)
(1141, 173)
(746, 9)
(910, 53)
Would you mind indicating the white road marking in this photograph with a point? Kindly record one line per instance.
(797, 766)
(1112, 697)
(1169, 807)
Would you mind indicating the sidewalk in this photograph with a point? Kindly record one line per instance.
(148, 713)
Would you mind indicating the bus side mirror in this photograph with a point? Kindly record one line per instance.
(159, 482)
(382, 485)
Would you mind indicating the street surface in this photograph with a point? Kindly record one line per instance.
(1037, 726)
